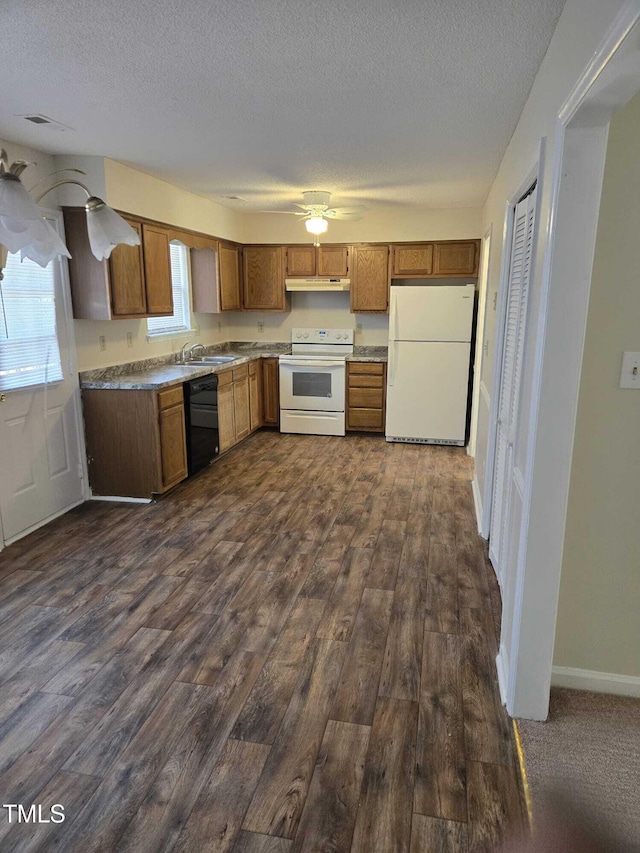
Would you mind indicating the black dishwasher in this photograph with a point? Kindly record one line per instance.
(201, 416)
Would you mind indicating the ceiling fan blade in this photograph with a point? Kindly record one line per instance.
(350, 213)
(288, 212)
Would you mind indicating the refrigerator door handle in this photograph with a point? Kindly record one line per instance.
(392, 363)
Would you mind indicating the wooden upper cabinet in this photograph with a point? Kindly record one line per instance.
(134, 282)
(301, 261)
(157, 269)
(126, 278)
(263, 278)
(205, 292)
(370, 279)
(333, 261)
(456, 259)
(413, 259)
(229, 277)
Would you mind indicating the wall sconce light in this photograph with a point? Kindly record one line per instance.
(23, 228)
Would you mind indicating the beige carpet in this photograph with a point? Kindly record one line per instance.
(589, 749)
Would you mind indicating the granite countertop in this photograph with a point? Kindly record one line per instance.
(154, 374)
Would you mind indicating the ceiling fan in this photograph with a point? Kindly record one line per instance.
(316, 210)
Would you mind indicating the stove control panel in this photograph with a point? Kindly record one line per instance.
(322, 336)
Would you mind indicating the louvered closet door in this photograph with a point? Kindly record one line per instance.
(512, 354)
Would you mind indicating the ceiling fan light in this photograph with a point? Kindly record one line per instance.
(316, 225)
(107, 229)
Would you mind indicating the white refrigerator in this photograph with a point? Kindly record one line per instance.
(430, 330)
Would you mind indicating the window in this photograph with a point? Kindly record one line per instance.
(29, 351)
(180, 320)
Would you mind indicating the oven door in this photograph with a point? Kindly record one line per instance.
(312, 385)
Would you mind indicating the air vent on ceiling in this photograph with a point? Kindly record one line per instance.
(38, 118)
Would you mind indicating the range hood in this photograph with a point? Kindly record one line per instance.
(326, 284)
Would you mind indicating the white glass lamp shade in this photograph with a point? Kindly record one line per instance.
(19, 214)
(316, 225)
(45, 244)
(107, 229)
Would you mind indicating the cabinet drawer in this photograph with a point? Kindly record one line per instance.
(366, 398)
(225, 378)
(366, 419)
(240, 372)
(366, 368)
(364, 381)
(170, 397)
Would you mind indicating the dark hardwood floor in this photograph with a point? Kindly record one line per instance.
(293, 651)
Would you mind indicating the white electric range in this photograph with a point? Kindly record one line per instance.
(313, 381)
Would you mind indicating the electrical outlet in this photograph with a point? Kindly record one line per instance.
(196, 330)
(219, 325)
(630, 373)
(495, 300)
(129, 339)
(260, 326)
(103, 342)
(358, 328)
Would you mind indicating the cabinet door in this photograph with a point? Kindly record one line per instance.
(230, 298)
(455, 259)
(226, 419)
(255, 395)
(263, 279)
(126, 278)
(173, 447)
(370, 279)
(271, 391)
(416, 259)
(204, 281)
(157, 270)
(301, 261)
(333, 261)
(241, 408)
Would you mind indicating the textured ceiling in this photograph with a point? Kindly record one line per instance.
(402, 103)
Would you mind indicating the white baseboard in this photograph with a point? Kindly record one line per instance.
(597, 682)
(477, 502)
(120, 500)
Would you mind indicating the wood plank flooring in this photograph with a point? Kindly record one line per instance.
(291, 652)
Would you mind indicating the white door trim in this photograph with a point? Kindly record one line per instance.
(611, 78)
(478, 361)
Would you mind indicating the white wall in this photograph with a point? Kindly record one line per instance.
(376, 226)
(580, 28)
(598, 618)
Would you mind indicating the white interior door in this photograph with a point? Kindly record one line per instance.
(509, 391)
(40, 450)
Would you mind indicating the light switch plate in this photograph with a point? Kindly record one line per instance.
(630, 373)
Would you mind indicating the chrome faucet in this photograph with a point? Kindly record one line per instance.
(192, 350)
(183, 357)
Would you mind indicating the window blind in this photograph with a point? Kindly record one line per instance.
(181, 318)
(29, 351)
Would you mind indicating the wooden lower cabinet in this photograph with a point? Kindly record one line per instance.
(226, 414)
(366, 396)
(255, 395)
(239, 403)
(136, 443)
(271, 391)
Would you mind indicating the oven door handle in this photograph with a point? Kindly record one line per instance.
(312, 364)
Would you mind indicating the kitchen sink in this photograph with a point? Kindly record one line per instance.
(213, 359)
